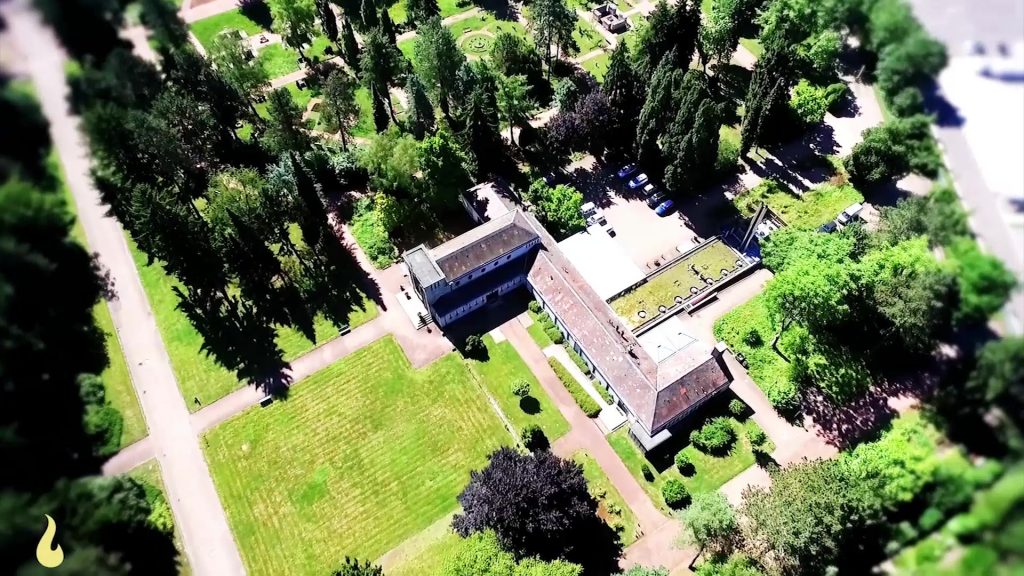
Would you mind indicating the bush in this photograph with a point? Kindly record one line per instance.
(534, 306)
(893, 150)
(160, 516)
(728, 155)
(714, 437)
(646, 471)
(737, 408)
(554, 334)
(534, 438)
(103, 423)
(675, 494)
(810, 102)
(757, 437)
(930, 519)
(753, 338)
(985, 283)
(521, 388)
(372, 236)
(604, 393)
(589, 406)
(474, 347)
(91, 389)
(683, 464)
(578, 361)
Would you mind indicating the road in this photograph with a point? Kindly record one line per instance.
(982, 127)
(198, 513)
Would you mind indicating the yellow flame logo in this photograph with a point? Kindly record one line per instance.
(49, 556)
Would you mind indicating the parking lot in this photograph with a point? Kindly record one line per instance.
(643, 235)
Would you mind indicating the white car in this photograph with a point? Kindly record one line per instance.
(850, 214)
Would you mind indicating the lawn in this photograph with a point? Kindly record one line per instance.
(117, 381)
(597, 66)
(448, 8)
(587, 37)
(199, 375)
(428, 557)
(753, 45)
(536, 330)
(207, 29)
(278, 60)
(811, 210)
(711, 472)
(678, 280)
(484, 22)
(610, 505)
(363, 455)
(503, 367)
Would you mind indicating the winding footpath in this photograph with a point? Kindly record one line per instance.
(198, 513)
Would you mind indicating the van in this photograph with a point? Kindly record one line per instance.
(850, 214)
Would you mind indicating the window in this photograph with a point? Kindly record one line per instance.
(470, 277)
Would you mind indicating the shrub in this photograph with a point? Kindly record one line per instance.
(753, 338)
(521, 388)
(985, 283)
(683, 464)
(893, 150)
(474, 347)
(930, 519)
(728, 155)
(675, 494)
(810, 102)
(578, 361)
(737, 408)
(91, 389)
(534, 438)
(589, 406)
(757, 437)
(907, 102)
(554, 334)
(603, 392)
(160, 516)
(714, 437)
(103, 423)
(372, 235)
(646, 471)
(534, 306)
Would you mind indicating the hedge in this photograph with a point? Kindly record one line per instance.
(589, 406)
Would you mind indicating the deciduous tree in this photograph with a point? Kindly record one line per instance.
(340, 107)
(285, 131)
(514, 106)
(446, 169)
(238, 67)
(295, 21)
(438, 60)
(710, 522)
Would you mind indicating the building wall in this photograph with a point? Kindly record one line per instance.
(472, 305)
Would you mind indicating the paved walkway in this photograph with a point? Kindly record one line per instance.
(130, 457)
(198, 514)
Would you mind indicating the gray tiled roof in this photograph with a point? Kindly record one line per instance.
(422, 266)
(481, 245)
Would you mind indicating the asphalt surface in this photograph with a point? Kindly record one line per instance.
(198, 514)
(980, 107)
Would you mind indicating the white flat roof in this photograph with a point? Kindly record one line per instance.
(665, 339)
(602, 261)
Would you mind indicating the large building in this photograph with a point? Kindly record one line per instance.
(509, 250)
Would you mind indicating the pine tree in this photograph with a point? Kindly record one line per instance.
(340, 107)
(552, 23)
(766, 97)
(420, 116)
(285, 131)
(328, 21)
(692, 147)
(479, 118)
(422, 10)
(668, 29)
(387, 26)
(625, 95)
(438, 60)
(349, 45)
(380, 111)
(381, 66)
(657, 112)
(368, 13)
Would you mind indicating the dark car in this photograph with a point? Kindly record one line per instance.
(665, 208)
(626, 171)
(828, 227)
(656, 199)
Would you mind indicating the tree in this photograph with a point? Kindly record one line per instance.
(294, 20)
(422, 10)
(194, 75)
(658, 110)
(446, 169)
(720, 32)
(381, 64)
(552, 24)
(984, 282)
(352, 567)
(536, 504)
(737, 564)
(669, 29)
(234, 61)
(163, 20)
(340, 108)
(625, 95)
(387, 26)
(910, 62)
(123, 79)
(25, 143)
(513, 55)
(710, 522)
(368, 14)
(483, 555)
(392, 159)
(692, 148)
(349, 45)
(438, 60)
(514, 106)
(810, 102)
(790, 245)
(534, 438)
(85, 27)
(479, 118)
(644, 571)
(766, 97)
(997, 381)
(893, 150)
(285, 132)
(809, 292)
(558, 208)
(419, 118)
(675, 494)
(328, 21)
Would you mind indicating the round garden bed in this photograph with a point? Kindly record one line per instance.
(477, 43)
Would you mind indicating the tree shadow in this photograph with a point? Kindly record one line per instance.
(500, 9)
(529, 405)
(258, 11)
(946, 114)
(596, 547)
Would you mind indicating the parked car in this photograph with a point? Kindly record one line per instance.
(850, 214)
(626, 171)
(828, 227)
(638, 181)
(664, 208)
(656, 199)
(649, 191)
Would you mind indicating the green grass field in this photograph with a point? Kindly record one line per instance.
(278, 60)
(503, 367)
(587, 37)
(199, 375)
(678, 280)
(597, 66)
(812, 209)
(536, 331)
(207, 29)
(448, 8)
(148, 475)
(711, 471)
(117, 381)
(361, 456)
(611, 507)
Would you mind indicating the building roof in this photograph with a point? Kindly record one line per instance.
(490, 200)
(485, 243)
(655, 392)
(422, 266)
